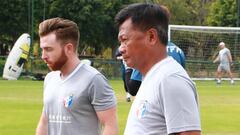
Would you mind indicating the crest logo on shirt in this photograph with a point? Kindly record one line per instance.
(142, 109)
(68, 101)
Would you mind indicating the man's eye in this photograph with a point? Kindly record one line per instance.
(48, 49)
(124, 40)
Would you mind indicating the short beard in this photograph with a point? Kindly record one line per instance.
(60, 62)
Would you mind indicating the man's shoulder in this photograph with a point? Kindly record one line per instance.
(227, 50)
(224, 50)
(89, 70)
(166, 67)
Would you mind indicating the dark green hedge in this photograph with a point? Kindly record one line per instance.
(2, 63)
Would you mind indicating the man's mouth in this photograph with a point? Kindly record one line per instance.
(125, 58)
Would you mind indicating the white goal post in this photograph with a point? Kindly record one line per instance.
(200, 45)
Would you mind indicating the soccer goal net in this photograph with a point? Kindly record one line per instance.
(200, 45)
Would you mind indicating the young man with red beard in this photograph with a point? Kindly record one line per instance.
(77, 98)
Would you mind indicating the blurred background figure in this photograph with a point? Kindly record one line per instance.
(176, 52)
(225, 62)
(126, 74)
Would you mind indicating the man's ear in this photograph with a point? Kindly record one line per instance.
(69, 48)
(152, 36)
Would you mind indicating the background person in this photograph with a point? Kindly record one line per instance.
(166, 102)
(134, 82)
(225, 61)
(126, 74)
(77, 98)
(177, 53)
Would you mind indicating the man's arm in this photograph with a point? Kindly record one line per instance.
(230, 58)
(216, 60)
(108, 119)
(42, 125)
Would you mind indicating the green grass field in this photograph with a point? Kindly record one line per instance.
(21, 105)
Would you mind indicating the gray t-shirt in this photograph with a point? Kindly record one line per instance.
(223, 56)
(71, 104)
(166, 102)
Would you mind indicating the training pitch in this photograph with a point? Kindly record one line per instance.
(21, 106)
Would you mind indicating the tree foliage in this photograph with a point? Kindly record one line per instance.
(96, 17)
(223, 13)
(186, 12)
(14, 20)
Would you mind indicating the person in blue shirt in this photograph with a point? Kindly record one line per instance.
(177, 53)
(135, 80)
(126, 74)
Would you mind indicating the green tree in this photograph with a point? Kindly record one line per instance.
(223, 13)
(94, 17)
(14, 21)
(186, 12)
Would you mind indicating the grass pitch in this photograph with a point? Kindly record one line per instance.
(21, 105)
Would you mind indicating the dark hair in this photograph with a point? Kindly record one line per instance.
(145, 16)
(65, 30)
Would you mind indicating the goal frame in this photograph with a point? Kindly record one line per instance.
(208, 29)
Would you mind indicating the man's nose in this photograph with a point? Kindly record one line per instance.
(122, 49)
(44, 56)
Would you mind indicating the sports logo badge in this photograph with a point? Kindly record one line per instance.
(142, 109)
(68, 101)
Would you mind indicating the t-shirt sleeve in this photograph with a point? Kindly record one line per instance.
(101, 94)
(228, 52)
(136, 75)
(180, 105)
